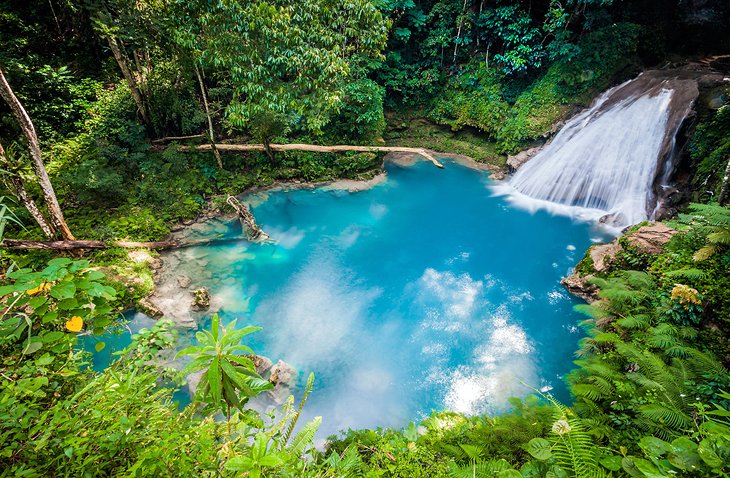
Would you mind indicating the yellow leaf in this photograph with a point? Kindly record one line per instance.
(41, 288)
(75, 324)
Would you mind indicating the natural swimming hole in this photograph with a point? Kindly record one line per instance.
(422, 293)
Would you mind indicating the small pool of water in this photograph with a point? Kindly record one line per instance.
(422, 293)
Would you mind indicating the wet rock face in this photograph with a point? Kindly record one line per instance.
(603, 254)
(516, 161)
(578, 286)
(652, 238)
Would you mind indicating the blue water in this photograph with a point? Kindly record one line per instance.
(422, 293)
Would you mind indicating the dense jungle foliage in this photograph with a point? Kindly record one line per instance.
(121, 92)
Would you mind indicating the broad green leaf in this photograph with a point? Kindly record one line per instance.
(52, 336)
(43, 360)
(706, 450)
(32, 347)
(539, 448)
(648, 469)
(215, 327)
(684, 454)
(214, 379)
(653, 446)
(59, 262)
(63, 290)
(94, 275)
(271, 460)
(612, 463)
(239, 463)
(99, 346)
(509, 474)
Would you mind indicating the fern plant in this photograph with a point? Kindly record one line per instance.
(713, 222)
(569, 449)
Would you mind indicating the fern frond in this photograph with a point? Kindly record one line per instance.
(664, 415)
(293, 422)
(705, 252)
(662, 341)
(587, 391)
(679, 351)
(305, 438)
(635, 322)
(690, 274)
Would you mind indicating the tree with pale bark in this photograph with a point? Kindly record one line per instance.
(57, 223)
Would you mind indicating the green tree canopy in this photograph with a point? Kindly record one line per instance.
(282, 57)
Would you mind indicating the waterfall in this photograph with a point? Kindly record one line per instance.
(610, 162)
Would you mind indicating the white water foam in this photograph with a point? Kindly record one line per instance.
(602, 164)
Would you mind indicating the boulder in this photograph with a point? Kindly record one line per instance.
(262, 364)
(578, 286)
(184, 281)
(603, 254)
(283, 377)
(201, 301)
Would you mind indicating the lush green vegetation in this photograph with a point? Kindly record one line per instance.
(102, 79)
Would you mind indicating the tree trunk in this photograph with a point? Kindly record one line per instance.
(321, 149)
(75, 245)
(121, 59)
(78, 245)
(724, 190)
(458, 32)
(22, 194)
(26, 125)
(216, 153)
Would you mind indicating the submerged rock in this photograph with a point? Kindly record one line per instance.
(184, 281)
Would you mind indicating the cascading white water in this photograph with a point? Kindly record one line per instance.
(604, 163)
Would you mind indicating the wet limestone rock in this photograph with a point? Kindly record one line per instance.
(184, 281)
(262, 364)
(516, 161)
(603, 254)
(147, 307)
(282, 377)
(201, 301)
(651, 239)
(578, 285)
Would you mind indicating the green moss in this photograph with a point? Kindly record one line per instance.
(585, 266)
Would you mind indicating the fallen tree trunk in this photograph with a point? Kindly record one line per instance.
(74, 245)
(168, 139)
(78, 245)
(248, 223)
(320, 149)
